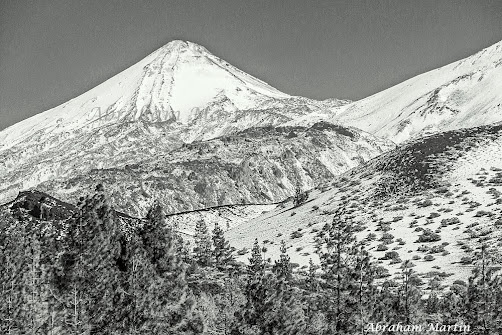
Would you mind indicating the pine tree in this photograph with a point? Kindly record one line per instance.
(256, 263)
(346, 274)
(365, 273)
(165, 303)
(409, 292)
(311, 276)
(333, 247)
(33, 315)
(282, 267)
(272, 307)
(484, 295)
(202, 250)
(222, 252)
(453, 303)
(299, 197)
(12, 267)
(90, 276)
(432, 305)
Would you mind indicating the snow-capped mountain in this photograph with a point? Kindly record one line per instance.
(170, 84)
(178, 94)
(463, 94)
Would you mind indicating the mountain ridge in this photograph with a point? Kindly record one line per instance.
(462, 94)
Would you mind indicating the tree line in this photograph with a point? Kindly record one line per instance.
(92, 275)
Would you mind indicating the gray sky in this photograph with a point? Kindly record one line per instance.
(54, 50)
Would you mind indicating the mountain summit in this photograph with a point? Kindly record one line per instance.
(171, 84)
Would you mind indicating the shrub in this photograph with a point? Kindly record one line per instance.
(371, 237)
(382, 247)
(391, 255)
(450, 221)
(466, 260)
(428, 236)
(425, 203)
(437, 249)
(296, 234)
(242, 251)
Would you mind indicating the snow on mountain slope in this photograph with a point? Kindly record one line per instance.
(178, 94)
(257, 165)
(463, 94)
(433, 200)
(166, 85)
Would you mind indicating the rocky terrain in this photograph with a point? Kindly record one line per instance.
(255, 166)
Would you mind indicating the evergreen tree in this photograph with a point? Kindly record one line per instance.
(222, 252)
(272, 307)
(91, 266)
(166, 304)
(282, 267)
(432, 305)
(299, 197)
(365, 273)
(409, 292)
(312, 282)
(12, 266)
(484, 296)
(256, 263)
(347, 274)
(202, 250)
(335, 249)
(453, 303)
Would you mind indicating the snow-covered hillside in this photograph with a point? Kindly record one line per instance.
(256, 165)
(463, 94)
(434, 201)
(178, 94)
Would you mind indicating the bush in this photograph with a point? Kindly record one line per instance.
(391, 255)
(387, 238)
(382, 247)
(371, 237)
(466, 260)
(243, 251)
(296, 234)
(428, 236)
(437, 249)
(451, 221)
(425, 203)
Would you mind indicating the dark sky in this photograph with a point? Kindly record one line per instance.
(54, 50)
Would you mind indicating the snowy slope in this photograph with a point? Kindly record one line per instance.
(463, 94)
(167, 84)
(178, 94)
(450, 183)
